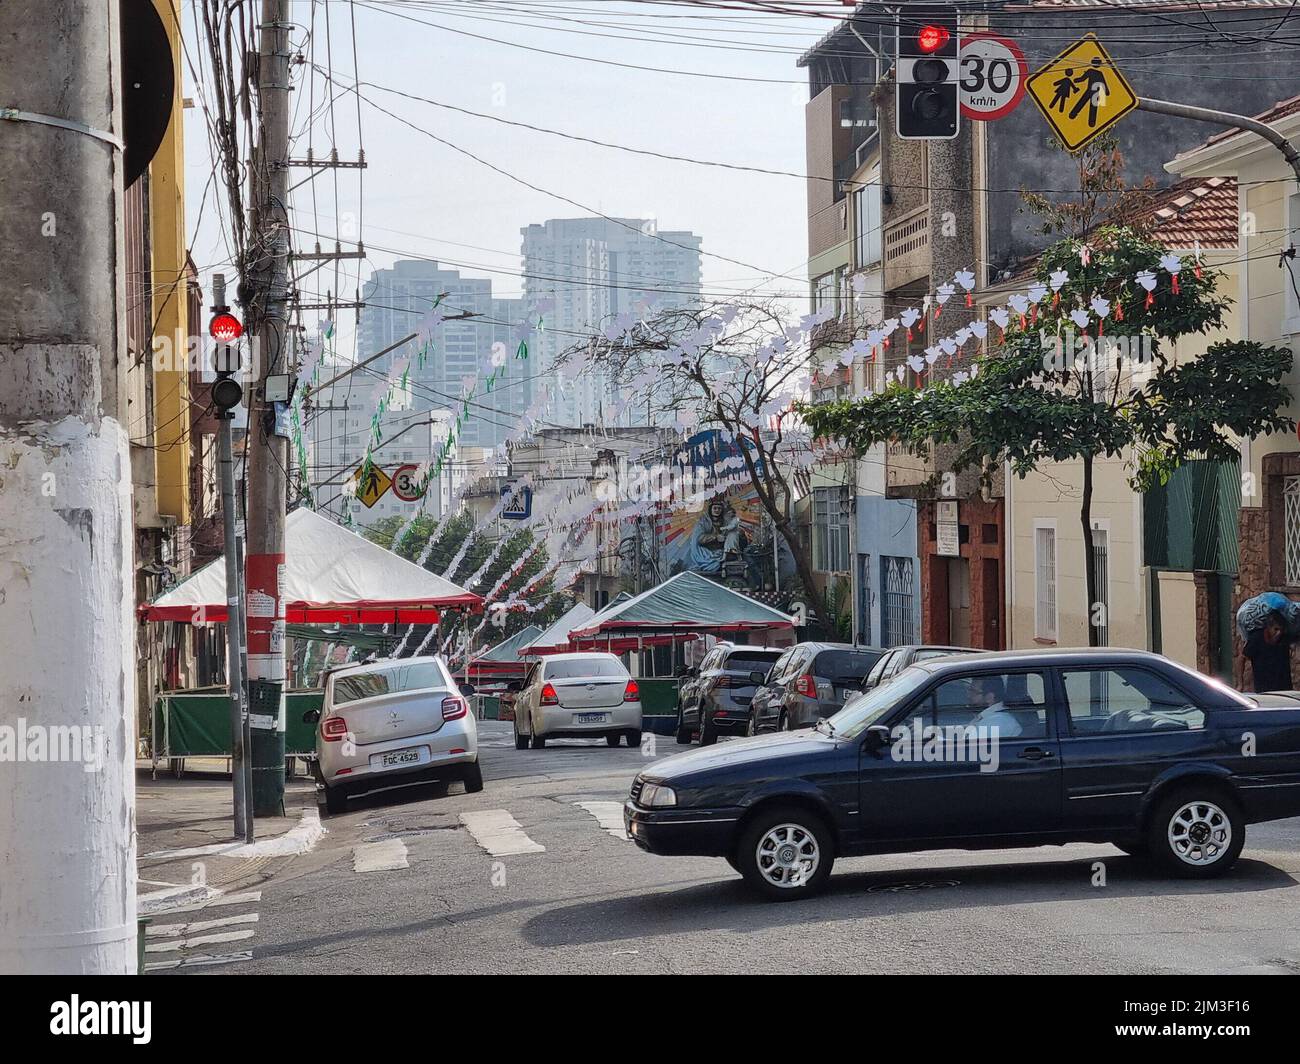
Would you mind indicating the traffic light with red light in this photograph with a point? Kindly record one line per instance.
(927, 75)
(226, 329)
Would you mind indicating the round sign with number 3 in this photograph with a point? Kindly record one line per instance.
(406, 485)
(993, 75)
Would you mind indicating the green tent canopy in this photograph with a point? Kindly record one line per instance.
(682, 607)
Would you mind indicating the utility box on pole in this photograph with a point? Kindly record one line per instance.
(927, 74)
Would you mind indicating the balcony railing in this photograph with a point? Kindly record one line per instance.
(907, 249)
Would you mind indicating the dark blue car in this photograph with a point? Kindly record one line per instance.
(979, 751)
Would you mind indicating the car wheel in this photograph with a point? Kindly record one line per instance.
(612, 739)
(784, 723)
(751, 729)
(634, 738)
(708, 734)
(473, 778)
(1196, 832)
(521, 741)
(683, 732)
(538, 742)
(786, 853)
(336, 801)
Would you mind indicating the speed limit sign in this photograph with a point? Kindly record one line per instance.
(406, 485)
(993, 75)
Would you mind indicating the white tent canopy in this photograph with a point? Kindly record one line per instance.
(332, 576)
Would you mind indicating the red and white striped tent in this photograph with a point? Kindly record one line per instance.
(332, 576)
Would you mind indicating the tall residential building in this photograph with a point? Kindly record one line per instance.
(593, 270)
(398, 299)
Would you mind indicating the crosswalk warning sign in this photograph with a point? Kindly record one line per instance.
(1081, 92)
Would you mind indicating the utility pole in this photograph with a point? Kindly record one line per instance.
(67, 676)
(267, 287)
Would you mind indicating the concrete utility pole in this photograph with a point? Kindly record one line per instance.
(67, 675)
(268, 283)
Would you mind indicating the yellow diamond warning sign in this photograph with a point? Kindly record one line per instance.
(371, 484)
(1081, 92)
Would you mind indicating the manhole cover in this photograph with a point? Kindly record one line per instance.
(901, 888)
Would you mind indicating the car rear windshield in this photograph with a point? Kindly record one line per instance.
(845, 666)
(421, 676)
(747, 660)
(579, 667)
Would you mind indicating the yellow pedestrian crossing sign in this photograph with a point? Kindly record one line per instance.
(1081, 92)
(372, 482)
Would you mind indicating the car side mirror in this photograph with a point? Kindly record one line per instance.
(757, 677)
(514, 686)
(878, 737)
(312, 716)
(467, 689)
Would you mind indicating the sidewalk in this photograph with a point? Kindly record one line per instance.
(186, 846)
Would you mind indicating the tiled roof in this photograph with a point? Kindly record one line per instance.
(1196, 211)
(1279, 110)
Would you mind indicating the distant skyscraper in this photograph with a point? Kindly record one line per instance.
(594, 269)
(396, 301)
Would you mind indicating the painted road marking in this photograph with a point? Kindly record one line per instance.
(180, 930)
(609, 815)
(379, 856)
(499, 833)
(198, 940)
(244, 897)
(198, 960)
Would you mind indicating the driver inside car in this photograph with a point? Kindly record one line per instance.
(989, 693)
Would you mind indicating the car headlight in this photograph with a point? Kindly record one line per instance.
(655, 796)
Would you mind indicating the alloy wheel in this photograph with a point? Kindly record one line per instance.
(1200, 833)
(788, 856)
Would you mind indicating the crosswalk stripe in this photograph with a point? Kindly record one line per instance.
(180, 930)
(198, 940)
(381, 856)
(198, 960)
(500, 834)
(247, 896)
(609, 815)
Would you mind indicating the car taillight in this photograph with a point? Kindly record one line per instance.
(806, 685)
(631, 693)
(722, 681)
(549, 697)
(333, 729)
(454, 708)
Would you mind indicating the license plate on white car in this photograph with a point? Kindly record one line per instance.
(401, 757)
(591, 718)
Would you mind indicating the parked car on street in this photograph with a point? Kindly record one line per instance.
(577, 696)
(896, 659)
(393, 722)
(809, 681)
(989, 750)
(718, 703)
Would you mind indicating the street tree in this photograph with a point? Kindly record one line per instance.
(737, 367)
(1094, 376)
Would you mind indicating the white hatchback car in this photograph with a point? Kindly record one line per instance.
(578, 696)
(390, 723)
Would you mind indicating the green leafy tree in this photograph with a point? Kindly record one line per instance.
(1036, 399)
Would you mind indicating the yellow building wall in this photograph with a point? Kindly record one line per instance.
(1052, 494)
(167, 238)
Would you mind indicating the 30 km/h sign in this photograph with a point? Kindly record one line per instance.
(371, 484)
(406, 485)
(993, 76)
(1081, 92)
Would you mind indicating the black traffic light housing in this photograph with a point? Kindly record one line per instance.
(227, 392)
(927, 74)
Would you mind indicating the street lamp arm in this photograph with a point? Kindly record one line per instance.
(1226, 118)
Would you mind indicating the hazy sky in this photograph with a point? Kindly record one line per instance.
(424, 199)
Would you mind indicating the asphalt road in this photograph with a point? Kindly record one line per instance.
(410, 881)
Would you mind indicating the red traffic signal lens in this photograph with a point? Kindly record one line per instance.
(931, 38)
(225, 328)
